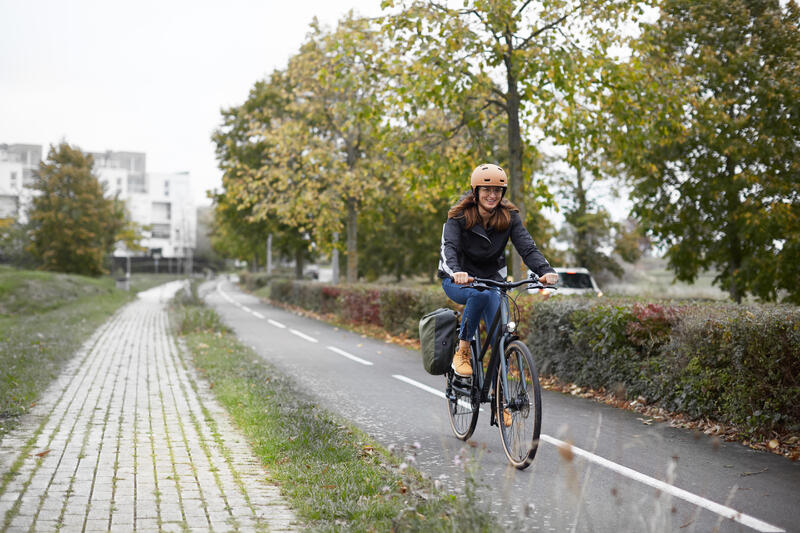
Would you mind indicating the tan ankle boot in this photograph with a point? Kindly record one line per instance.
(462, 364)
(507, 418)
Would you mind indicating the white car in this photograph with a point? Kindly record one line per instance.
(573, 280)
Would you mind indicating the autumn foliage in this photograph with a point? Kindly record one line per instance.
(74, 226)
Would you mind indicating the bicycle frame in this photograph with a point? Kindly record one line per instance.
(498, 360)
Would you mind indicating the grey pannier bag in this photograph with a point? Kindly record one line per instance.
(438, 331)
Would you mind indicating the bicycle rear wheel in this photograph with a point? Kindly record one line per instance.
(521, 437)
(463, 412)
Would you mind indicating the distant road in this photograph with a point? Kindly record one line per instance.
(623, 473)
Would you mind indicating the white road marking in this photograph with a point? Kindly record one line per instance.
(672, 490)
(426, 388)
(276, 323)
(258, 315)
(302, 335)
(247, 309)
(223, 293)
(350, 356)
(419, 385)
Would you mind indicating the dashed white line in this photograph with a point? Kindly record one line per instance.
(258, 315)
(687, 496)
(276, 323)
(302, 335)
(350, 356)
(247, 309)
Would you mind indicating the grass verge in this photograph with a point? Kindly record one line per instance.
(334, 476)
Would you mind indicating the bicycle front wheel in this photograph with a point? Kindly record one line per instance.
(519, 412)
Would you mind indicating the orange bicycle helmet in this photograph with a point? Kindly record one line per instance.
(488, 175)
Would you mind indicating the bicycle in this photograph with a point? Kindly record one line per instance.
(510, 382)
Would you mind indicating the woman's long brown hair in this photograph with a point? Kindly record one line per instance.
(467, 208)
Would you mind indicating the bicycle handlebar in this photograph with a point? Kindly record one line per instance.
(507, 285)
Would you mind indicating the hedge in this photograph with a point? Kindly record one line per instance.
(395, 309)
(737, 364)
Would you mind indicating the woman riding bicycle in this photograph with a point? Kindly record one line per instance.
(473, 245)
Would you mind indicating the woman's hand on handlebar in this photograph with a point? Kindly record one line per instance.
(462, 278)
(551, 278)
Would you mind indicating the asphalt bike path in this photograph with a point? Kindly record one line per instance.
(618, 474)
(129, 438)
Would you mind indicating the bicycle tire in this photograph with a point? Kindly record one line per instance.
(521, 438)
(462, 411)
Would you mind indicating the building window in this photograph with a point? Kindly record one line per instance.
(161, 211)
(160, 231)
(136, 183)
(8, 206)
(166, 187)
(13, 180)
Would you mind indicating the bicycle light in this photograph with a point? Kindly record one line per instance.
(511, 326)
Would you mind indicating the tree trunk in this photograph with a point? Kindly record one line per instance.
(352, 241)
(517, 185)
(582, 251)
(732, 234)
(299, 263)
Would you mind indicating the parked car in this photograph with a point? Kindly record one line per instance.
(573, 280)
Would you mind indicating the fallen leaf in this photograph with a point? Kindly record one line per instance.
(745, 474)
(773, 444)
(42, 454)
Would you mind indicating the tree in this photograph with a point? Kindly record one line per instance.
(708, 114)
(503, 60)
(237, 231)
(74, 226)
(322, 162)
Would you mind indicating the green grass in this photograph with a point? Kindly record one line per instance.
(44, 319)
(142, 282)
(335, 477)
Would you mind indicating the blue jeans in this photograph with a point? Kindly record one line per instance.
(477, 304)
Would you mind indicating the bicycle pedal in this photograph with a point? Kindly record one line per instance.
(461, 380)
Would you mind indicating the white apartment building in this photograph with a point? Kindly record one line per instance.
(18, 162)
(159, 202)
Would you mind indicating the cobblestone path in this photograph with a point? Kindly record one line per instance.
(128, 438)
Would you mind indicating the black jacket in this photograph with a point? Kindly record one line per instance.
(481, 253)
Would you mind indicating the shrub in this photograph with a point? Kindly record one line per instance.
(255, 280)
(402, 308)
(737, 364)
(397, 309)
(734, 364)
(361, 305)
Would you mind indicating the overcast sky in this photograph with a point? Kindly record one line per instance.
(144, 76)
